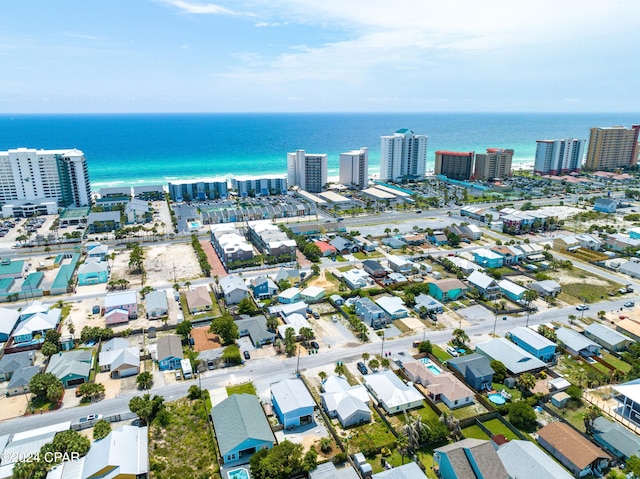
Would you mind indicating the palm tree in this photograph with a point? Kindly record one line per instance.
(340, 369)
(402, 444)
(365, 357)
(322, 375)
(374, 364)
(460, 337)
(530, 296)
(385, 363)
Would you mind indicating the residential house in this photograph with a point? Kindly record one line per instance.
(8, 320)
(328, 470)
(229, 244)
(296, 322)
(546, 288)
(424, 302)
(292, 403)
(608, 338)
(487, 258)
(233, 289)
(270, 240)
(256, 328)
(399, 264)
(20, 380)
(312, 294)
(438, 238)
(287, 274)
(522, 458)
(116, 316)
(284, 310)
(631, 267)
(618, 242)
(72, 367)
(590, 241)
(169, 352)
(616, 439)
(605, 205)
(241, 428)
(374, 268)
(10, 363)
(119, 358)
(326, 249)
(357, 278)
(98, 252)
(576, 343)
(472, 232)
(534, 343)
(126, 300)
(263, 287)
(440, 385)
(485, 284)
(370, 313)
(410, 470)
(560, 399)
(475, 369)
(289, 296)
(391, 393)
(572, 449)
(156, 304)
(469, 459)
(34, 308)
(124, 453)
(393, 306)
(510, 254)
(93, 272)
(447, 289)
(393, 242)
(511, 290)
(347, 403)
(337, 299)
(629, 327)
(515, 359)
(467, 267)
(199, 299)
(35, 327)
(343, 245)
(414, 239)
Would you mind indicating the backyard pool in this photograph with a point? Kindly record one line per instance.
(497, 399)
(240, 473)
(430, 366)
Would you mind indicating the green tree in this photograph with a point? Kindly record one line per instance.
(340, 369)
(101, 430)
(246, 306)
(365, 357)
(194, 392)
(91, 391)
(425, 347)
(71, 441)
(144, 380)
(184, 329)
(272, 323)
(225, 327)
(633, 466)
(231, 355)
(522, 416)
(280, 462)
(307, 334)
(526, 381)
(499, 371)
(147, 407)
(53, 336)
(315, 269)
(290, 341)
(374, 364)
(326, 445)
(530, 296)
(46, 386)
(310, 460)
(460, 338)
(49, 348)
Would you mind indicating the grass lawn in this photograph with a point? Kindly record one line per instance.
(592, 293)
(345, 268)
(574, 416)
(245, 388)
(426, 413)
(440, 353)
(618, 363)
(474, 432)
(577, 372)
(362, 256)
(515, 392)
(463, 412)
(340, 259)
(374, 435)
(401, 326)
(496, 427)
(185, 447)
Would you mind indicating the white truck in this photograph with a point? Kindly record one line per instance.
(185, 365)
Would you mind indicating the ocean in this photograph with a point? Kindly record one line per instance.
(136, 149)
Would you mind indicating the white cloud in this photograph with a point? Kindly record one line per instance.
(267, 24)
(199, 8)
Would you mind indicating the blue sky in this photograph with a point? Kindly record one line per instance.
(72, 56)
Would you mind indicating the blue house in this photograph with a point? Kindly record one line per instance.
(469, 458)
(292, 403)
(487, 258)
(447, 289)
(533, 343)
(476, 370)
(241, 428)
(263, 287)
(615, 438)
(438, 238)
(169, 352)
(605, 205)
(8, 321)
(93, 272)
(511, 290)
(370, 313)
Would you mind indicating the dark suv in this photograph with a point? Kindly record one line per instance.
(362, 368)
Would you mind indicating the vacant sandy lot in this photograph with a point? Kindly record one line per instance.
(13, 406)
(174, 263)
(322, 282)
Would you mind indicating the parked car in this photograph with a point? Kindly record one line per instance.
(247, 355)
(90, 417)
(362, 368)
(316, 315)
(210, 364)
(452, 351)
(629, 304)
(314, 345)
(178, 376)
(582, 307)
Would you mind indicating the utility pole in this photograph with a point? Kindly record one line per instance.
(495, 322)
(298, 365)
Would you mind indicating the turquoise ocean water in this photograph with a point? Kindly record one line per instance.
(158, 148)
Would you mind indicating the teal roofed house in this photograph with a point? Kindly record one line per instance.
(241, 428)
(11, 269)
(72, 368)
(447, 289)
(93, 272)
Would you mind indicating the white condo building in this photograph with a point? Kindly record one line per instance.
(354, 168)
(403, 156)
(557, 157)
(265, 186)
(307, 171)
(36, 181)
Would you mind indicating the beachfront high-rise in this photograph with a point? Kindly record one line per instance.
(403, 156)
(35, 177)
(494, 164)
(559, 157)
(307, 171)
(612, 147)
(456, 165)
(354, 168)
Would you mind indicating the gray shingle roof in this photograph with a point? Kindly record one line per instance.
(617, 436)
(520, 458)
(482, 454)
(169, 346)
(238, 418)
(479, 365)
(515, 359)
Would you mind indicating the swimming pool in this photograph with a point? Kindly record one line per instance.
(240, 473)
(497, 399)
(430, 366)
